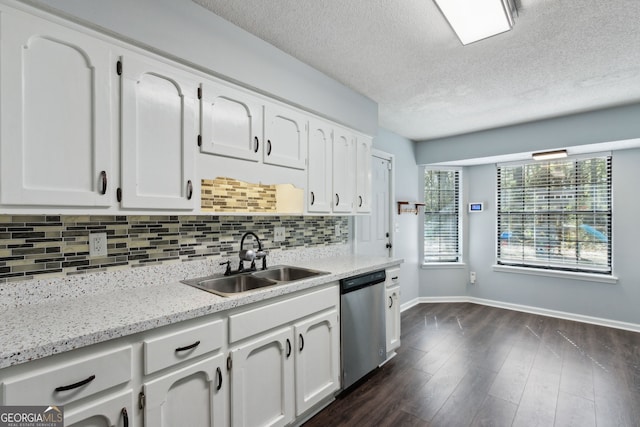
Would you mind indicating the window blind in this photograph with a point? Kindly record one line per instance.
(442, 216)
(556, 214)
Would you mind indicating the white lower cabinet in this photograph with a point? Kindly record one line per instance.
(192, 396)
(262, 381)
(392, 315)
(113, 411)
(317, 359)
(286, 360)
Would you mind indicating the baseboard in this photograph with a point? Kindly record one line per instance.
(527, 309)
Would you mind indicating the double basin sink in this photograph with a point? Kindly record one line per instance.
(245, 282)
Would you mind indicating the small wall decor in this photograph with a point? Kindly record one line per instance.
(408, 207)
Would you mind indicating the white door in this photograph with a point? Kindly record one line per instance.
(344, 164)
(158, 135)
(56, 115)
(193, 396)
(319, 167)
(317, 359)
(230, 122)
(262, 381)
(113, 411)
(285, 133)
(373, 231)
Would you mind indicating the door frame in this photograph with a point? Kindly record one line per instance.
(392, 196)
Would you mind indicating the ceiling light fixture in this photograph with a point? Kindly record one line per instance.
(550, 155)
(474, 20)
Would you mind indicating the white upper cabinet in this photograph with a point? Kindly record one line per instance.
(55, 139)
(285, 133)
(159, 120)
(363, 174)
(343, 171)
(319, 168)
(230, 122)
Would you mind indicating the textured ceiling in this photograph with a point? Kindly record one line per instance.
(562, 57)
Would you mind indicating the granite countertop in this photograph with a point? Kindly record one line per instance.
(33, 331)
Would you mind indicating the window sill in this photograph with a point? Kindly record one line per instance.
(443, 265)
(589, 277)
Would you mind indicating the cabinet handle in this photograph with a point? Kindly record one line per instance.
(219, 373)
(189, 347)
(301, 342)
(390, 302)
(360, 198)
(288, 348)
(394, 278)
(257, 144)
(103, 180)
(125, 417)
(76, 385)
(313, 198)
(337, 199)
(189, 190)
(268, 147)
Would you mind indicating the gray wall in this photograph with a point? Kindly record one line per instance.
(405, 239)
(617, 302)
(184, 30)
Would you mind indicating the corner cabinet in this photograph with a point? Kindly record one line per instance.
(159, 119)
(56, 114)
(392, 312)
(363, 174)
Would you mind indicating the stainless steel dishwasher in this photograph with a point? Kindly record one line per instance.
(362, 325)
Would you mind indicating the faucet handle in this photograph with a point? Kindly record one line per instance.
(227, 271)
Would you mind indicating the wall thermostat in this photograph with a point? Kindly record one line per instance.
(476, 207)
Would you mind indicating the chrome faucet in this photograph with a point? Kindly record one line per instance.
(250, 254)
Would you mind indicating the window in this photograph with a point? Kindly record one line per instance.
(442, 215)
(556, 214)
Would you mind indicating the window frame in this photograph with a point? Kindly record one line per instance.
(461, 212)
(554, 268)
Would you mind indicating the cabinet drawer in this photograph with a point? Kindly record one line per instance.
(73, 379)
(257, 320)
(184, 344)
(393, 277)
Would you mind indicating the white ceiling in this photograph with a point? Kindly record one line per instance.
(562, 57)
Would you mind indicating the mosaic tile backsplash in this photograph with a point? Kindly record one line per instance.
(39, 246)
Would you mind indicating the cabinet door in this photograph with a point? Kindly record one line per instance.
(230, 122)
(55, 139)
(262, 381)
(194, 396)
(319, 167)
(363, 174)
(343, 171)
(158, 135)
(393, 318)
(317, 359)
(285, 131)
(113, 411)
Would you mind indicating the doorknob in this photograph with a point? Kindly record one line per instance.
(389, 246)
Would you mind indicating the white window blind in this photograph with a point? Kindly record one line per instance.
(442, 216)
(556, 214)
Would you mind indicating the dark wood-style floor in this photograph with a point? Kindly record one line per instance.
(470, 365)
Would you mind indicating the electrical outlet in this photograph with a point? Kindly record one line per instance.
(98, 244)
(472, 277)
(337, 230)
(278, 234)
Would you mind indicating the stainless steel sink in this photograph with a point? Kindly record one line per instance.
(285, 273)
(246, 282)
(230, 285)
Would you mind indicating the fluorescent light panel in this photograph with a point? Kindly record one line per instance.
(550, 155)
(474, 20)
